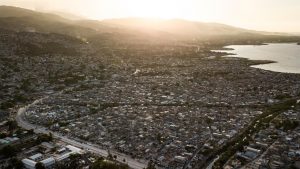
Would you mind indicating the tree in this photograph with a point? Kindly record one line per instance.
(2, 135)
(44, 138)
(8, 151)
(74, 161)
(12, 125)
(151, 165)
(124, 166)
(110, 156)
(16, 164)
(115, 157)
(103, 164)
(209, 121)
(39, 165)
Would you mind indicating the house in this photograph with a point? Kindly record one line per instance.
(36, 157)
(49, 162)
(180, 159)
(29, 164)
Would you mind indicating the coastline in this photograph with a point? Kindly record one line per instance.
(254, 63)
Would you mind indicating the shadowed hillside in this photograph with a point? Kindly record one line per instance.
(18, 19)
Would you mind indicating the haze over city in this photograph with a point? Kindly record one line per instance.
(262, 15)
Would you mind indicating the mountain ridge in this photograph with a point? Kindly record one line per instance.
(20, 19)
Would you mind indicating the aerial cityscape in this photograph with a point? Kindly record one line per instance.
(144, 86)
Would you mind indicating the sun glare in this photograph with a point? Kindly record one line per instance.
(165, 9)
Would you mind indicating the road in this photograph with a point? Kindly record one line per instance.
(20, 118)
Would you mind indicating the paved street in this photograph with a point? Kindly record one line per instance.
(88, 147)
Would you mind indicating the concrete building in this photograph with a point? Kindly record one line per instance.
(50, 160)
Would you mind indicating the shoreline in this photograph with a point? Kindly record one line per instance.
(254, 62)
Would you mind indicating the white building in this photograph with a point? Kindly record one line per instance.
(29, 163)
(49, 162)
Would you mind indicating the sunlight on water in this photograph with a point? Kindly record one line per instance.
(286, 55)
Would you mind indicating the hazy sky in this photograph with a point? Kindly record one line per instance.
(268, 15)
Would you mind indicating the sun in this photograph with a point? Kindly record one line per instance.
(165, 9)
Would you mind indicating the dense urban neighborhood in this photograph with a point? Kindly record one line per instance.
(126, 102)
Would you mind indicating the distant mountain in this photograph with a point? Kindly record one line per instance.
(16, 12)
(18, 19)
(67, 15)
(296, 33)
(180, 27)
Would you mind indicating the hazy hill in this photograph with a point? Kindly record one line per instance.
(18, 19)
(16, 12)
(67, 15)
(178, 26)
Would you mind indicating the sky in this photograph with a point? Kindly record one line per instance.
(262, 15)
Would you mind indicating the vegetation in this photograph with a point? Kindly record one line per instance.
(40, 165)
(73, 163)
(230, 148)
(8, 151)
(3, 135)
(17, 98)
(282, 96)
(15, 163)
(286, 124)
(101, 163)
(151, 165)
(12, 125)
(7, 105)
(44, 138)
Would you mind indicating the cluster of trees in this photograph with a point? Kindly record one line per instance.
(17, 98)
(72, 163)
(282, 96)
(12, 125)
(15, 163)
(40, 165)
(101, 163)
(8, 151)
(151, 165)
(286, 124)
(44, 138)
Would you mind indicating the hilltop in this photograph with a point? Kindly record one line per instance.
(179, 26)
(19, 19)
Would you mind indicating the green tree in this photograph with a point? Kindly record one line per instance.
(104, 164)
(44, 138)
(2, 135)
(12, 125)
(75, 161)
(151, 165)
(8, 151)
(16, 164)
(39, 165)
(115, 157)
